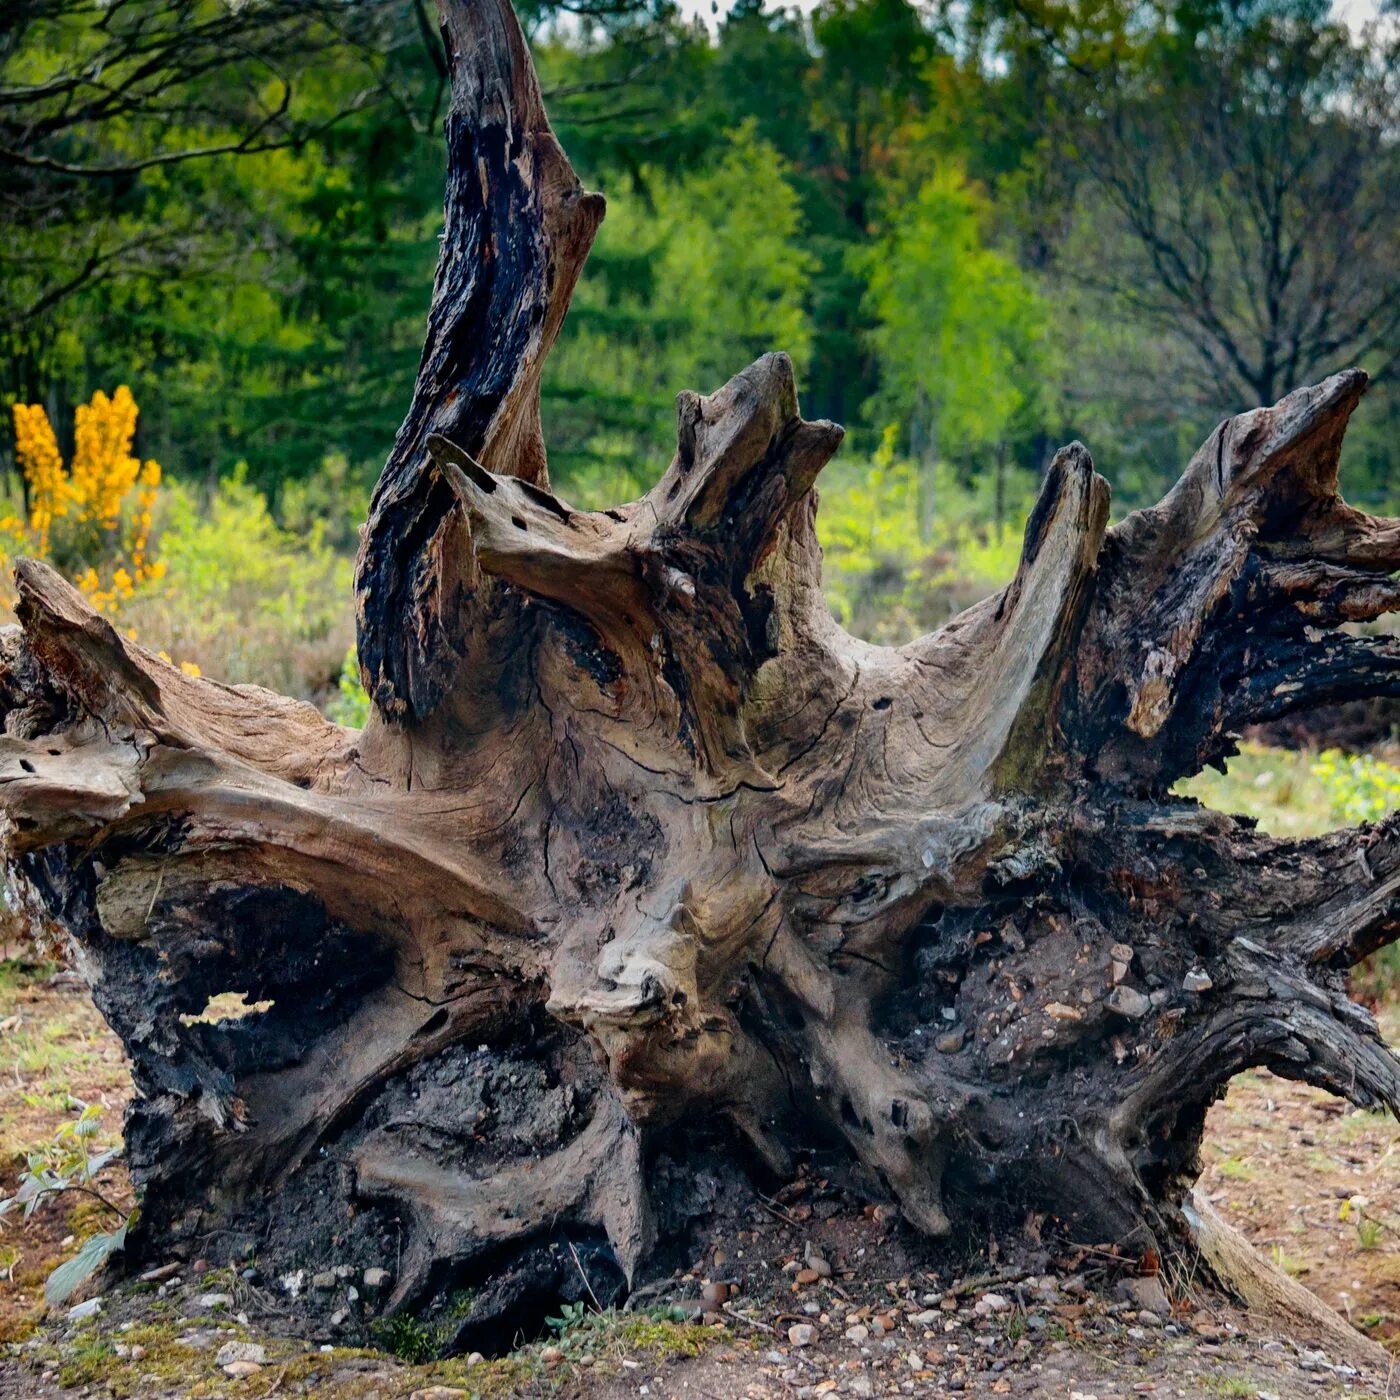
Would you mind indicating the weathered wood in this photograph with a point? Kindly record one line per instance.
(639, 847)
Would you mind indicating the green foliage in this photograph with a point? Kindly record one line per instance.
(688, 283)
(350, 704)
(895, 194)
(1360, 787)
(66, 1164)
(882, 580)
(956, 327)
(570, 1315)
(245, 598)
(69, 1164)
(407, 1338)
(1297, 795)
(1277, 787)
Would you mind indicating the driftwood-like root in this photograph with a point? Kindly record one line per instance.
(641, 859)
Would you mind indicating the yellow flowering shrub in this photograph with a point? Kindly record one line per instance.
(94, 518)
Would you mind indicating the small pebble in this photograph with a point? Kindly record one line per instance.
(240, 1351)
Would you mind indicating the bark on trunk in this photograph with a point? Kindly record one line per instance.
(642, 866)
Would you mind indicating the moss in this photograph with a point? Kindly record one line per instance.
(20, 1329)
(596, 1345)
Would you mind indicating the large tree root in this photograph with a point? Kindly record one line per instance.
(641, 859)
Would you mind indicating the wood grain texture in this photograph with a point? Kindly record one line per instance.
(643, 870)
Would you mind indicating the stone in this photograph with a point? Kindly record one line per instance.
(376, 1279)
(858, 1334)
(138, 1352)
(926, 1318)
(1145, 1294)
(990, 1303)
(157, 1275)
(713, 1296)
(1128, 1001)
(802, 1334)
(79, 1311)
(1197, 980)
(438, 1392)
(818, 1265)
(477, 1359)
(324, 1281)
(240, 1351)
(1058, 1011)
(293, 1283)
(213, 1302)
(807, 1276)
(950, 1042)
(241, 1370)
(1203, 1325)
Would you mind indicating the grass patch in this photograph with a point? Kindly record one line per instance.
(1276, 787)
(1236, 1167)
(1232, 1385)
(594, 1346)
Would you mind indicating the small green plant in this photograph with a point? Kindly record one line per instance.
(571, 1315)
(350, 704)
(407, 1338)
(420, 1339)
(69, 1164)
(1369, 1228)
(1368, 1232)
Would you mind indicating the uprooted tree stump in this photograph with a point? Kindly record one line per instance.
(641, 857)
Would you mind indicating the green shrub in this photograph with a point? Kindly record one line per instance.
(350, 704)
(1360, 788)
(245, 599)
(882, 581)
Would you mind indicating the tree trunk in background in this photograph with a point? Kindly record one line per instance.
(643, 868)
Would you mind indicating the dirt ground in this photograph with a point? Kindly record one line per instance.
(1311, 1183)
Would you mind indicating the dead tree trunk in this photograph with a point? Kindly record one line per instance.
(641, 852)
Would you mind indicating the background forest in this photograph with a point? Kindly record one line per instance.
(980, 228)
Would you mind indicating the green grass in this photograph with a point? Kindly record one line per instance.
(1236, 1168)
(1295, 795)
(1233, 1385)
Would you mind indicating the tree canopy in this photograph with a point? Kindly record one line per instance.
(962, 221)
